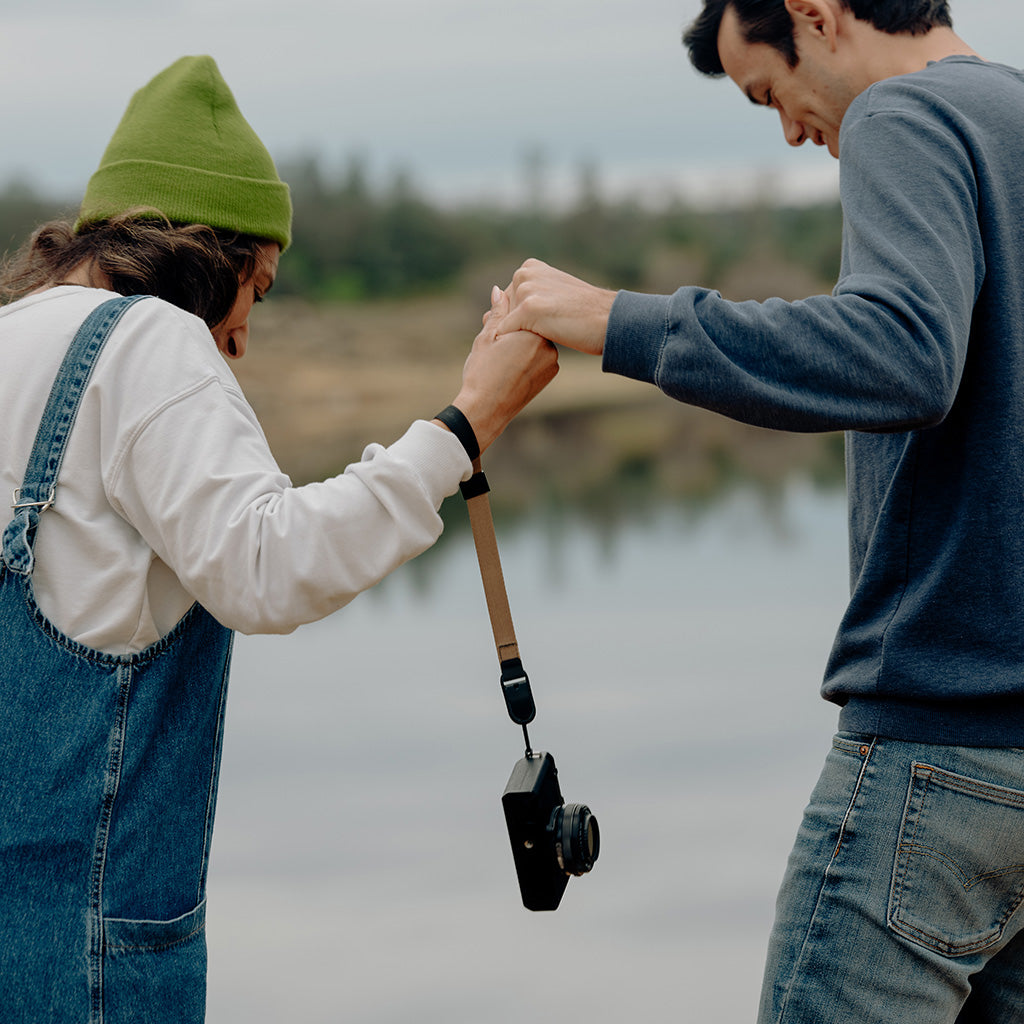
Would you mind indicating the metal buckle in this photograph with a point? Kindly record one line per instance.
(18, 504)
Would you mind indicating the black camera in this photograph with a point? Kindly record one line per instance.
(551, 839)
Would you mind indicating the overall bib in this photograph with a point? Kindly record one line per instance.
(108, 778)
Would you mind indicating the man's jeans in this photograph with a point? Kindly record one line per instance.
(901, 900)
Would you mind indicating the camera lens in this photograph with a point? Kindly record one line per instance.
(577, 839)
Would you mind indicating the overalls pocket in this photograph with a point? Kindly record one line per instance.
(155, 970)
(959, 871)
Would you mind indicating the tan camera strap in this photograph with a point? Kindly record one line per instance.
(482, 522)
(515, 684)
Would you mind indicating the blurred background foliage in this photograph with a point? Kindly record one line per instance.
(378, 298)
(357, 237)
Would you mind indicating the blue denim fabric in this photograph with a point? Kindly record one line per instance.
(902, 898)
(108, 779)
(37, 490)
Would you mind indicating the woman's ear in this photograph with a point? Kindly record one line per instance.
(231, 337)
(232, 344)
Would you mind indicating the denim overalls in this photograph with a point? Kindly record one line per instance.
(108, 778)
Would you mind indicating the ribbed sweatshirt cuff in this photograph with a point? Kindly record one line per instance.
(436, 455)
(637, 329)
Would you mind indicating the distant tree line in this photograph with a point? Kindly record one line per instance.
(355, 239)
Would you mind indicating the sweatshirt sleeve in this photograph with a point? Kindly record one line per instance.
(883, 352)
(261, 555)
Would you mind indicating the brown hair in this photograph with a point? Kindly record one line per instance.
(195, 267)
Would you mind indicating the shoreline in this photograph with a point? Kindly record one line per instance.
(325, 381)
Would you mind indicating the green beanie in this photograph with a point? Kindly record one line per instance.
(184, 148)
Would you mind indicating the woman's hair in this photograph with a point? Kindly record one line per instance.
(194, 267)
(768, 21)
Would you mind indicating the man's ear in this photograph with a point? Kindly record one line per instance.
(815, 20)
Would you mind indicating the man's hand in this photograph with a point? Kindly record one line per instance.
(503, 374)
(558, 307)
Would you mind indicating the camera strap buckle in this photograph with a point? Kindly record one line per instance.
(515, 686)
(515, 683)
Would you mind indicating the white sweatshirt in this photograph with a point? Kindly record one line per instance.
(169, 493)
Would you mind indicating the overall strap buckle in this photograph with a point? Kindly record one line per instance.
(40, 506)
(17, 537)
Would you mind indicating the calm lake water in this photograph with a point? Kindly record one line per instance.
(361, 869)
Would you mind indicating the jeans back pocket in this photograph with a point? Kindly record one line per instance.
(959, 871)
(155, 971)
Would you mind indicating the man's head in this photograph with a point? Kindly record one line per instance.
(808, 59)
(769, 21)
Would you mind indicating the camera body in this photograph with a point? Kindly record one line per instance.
(551, 840)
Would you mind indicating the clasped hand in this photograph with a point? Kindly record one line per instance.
(513, 357)
(557, 306)
(502, 374)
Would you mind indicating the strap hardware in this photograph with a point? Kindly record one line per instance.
(515, 687)
(17, 504)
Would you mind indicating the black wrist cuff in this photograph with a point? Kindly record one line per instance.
(457, 423)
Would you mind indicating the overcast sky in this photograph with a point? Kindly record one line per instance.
(457, 92)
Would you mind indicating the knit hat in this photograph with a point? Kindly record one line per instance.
(184, 148)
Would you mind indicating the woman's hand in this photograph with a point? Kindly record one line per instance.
(502, 375)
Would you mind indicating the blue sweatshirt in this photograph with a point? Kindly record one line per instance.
(919, 355)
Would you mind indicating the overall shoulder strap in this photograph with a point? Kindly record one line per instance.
(38, 490)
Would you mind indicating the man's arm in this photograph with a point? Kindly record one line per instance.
(884, 352)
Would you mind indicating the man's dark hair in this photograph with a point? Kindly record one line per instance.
(768, 21)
